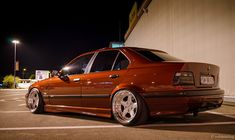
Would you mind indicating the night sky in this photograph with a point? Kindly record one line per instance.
(52, 33)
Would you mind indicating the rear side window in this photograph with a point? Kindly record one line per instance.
(104, 61)
(156, 55)
(121, 62)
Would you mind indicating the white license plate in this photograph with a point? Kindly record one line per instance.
(207, 80)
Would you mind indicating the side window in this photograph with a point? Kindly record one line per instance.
(121, 62)
(104, 61)
(79, 65)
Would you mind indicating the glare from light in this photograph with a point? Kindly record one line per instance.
(15, 41)
(66, 68)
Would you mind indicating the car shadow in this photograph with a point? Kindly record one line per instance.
(205, 122)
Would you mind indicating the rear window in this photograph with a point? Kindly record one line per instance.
(156, 55)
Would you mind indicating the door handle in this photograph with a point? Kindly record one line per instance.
(113, 76)
(76, 79)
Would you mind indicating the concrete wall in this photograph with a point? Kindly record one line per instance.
(194, 30)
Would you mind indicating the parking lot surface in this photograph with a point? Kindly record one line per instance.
(16, 122)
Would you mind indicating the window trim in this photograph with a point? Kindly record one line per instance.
(91, 63)
(116, 60)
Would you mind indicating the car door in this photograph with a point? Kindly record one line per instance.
(65, 89)
(107, 71)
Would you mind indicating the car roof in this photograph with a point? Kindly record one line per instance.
(132, 56)
(127, 47)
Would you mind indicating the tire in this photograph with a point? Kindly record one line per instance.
(129, 108)
(35, 101)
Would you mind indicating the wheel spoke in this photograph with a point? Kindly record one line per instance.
(134, 105)
(124, 103)
(129, 100)
(125, 111)
(132, 113)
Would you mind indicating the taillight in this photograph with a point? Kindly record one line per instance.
(183, 78)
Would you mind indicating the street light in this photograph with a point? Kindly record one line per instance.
(15, 43)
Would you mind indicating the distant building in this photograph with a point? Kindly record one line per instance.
(42, 74)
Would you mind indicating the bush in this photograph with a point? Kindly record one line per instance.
(8, 81)
(32, 76)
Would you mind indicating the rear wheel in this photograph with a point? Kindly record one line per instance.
(35, 101)
(129, 108)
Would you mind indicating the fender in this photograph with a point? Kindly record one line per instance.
(126, 86)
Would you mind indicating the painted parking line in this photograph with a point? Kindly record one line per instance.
(111, 126)
(22, 105)
(14, 90)
(221, 114)
(62, 127)
(10, 100)
(19, 100)
(187, 124)
(2, 96)
(6, 112)
(2, 100)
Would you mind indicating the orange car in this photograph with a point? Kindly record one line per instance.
(129, 84)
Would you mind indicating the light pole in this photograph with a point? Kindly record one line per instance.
(15, 43)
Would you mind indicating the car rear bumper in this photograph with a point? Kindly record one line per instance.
(183, 102)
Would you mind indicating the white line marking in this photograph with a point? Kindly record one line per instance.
(110, 126)
(13, 111)
(62, 127)
(2, 100)
(22, 105)
(14, 90)
(1, 96)
(10, 100)
(217, 113)
(187, 124)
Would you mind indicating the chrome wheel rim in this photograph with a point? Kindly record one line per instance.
(124, 106)
(33, 100)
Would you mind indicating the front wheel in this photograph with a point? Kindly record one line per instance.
(35, 101)
(129, 108)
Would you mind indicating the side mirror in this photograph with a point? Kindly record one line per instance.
(63, 74)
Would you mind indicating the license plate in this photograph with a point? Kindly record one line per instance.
(207, 80)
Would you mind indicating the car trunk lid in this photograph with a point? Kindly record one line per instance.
(205, 75)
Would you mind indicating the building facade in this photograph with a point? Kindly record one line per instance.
(193, 30)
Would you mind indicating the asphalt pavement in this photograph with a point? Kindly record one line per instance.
(17, 123)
